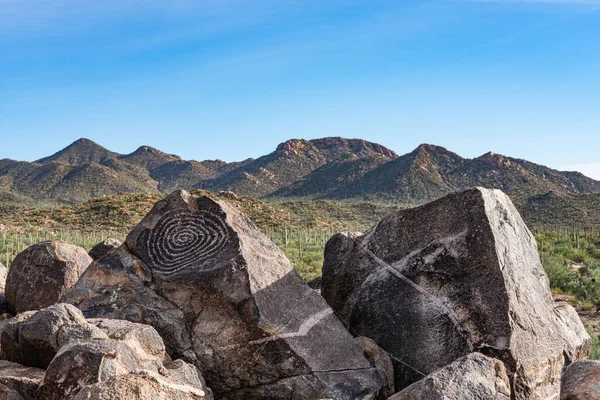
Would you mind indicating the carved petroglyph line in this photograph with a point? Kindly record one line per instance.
(182, 240)
(306, 326)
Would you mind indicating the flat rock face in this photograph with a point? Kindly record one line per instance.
(42, 273)
(462, 274)
(103, 248)
(473, 377)
(581, 381)
(225, 298)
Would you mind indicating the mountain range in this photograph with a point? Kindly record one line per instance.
(329, 168)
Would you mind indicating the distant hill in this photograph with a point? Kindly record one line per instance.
(323, 169)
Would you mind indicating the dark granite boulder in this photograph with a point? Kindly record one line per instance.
(460, 275)
(42, 273)
(225, 298)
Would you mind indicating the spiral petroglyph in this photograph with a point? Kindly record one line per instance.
(182, 240)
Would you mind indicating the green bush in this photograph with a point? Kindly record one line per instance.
(595, 347)
(560, 275)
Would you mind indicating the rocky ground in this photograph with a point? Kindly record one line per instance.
(445, 301)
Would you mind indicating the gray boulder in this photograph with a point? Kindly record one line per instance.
(462, 274)
(103, 248)
(581, 381)
(473, 377)
(226, 299)
(42, 273)
(82, 363)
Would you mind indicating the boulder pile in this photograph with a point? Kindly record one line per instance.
(445, 301)
(460, 275)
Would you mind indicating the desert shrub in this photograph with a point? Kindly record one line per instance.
(595, 347)
(560, 275)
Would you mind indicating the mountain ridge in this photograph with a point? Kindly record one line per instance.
(332, 168)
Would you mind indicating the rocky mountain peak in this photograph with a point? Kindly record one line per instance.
(292, 147)
(495, 160)
(80, 151)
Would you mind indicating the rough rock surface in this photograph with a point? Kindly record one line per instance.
(139, 387)
(581, 381)
(143, 338)
(42, 273)
(225, 298)
(77, 353)
(7, 393)
(24, 380)
(83, 363)
(33, 338)
(103, 248)
(462, 274)
(473, 377)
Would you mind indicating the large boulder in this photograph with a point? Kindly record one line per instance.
(42, 273)
(473, 377)
(103, 248)
(459, 275)
(225, 298)
(581, 381)
(82, 363)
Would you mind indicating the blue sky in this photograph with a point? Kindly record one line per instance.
(231, 79)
